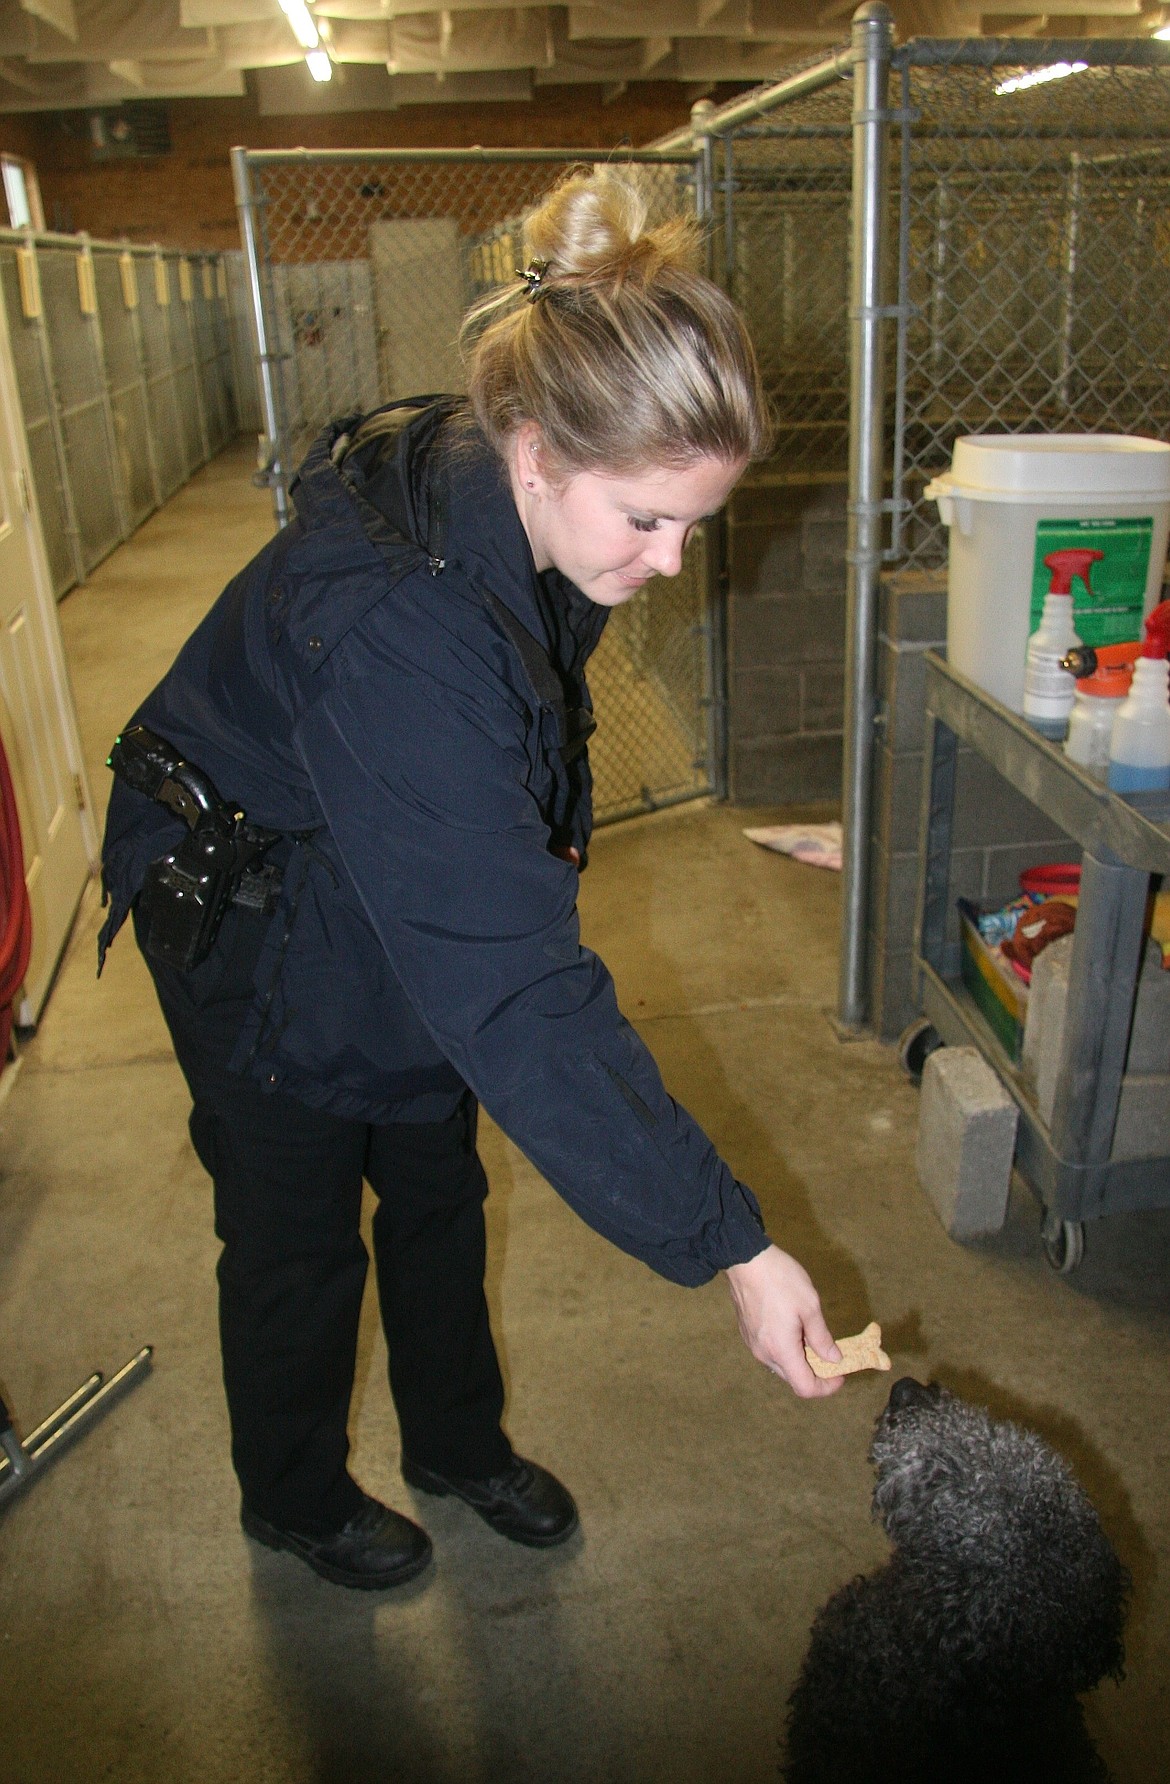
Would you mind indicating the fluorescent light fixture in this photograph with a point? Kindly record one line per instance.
(319, 65)
(299, 17)
(1036, 77)
(1163, 35)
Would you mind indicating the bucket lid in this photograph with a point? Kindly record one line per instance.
(1060, 467)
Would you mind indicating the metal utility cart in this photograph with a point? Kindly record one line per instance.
(1069, 1162)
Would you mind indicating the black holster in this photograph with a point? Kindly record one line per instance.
(219, 862)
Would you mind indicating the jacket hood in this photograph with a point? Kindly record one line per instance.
(426, 488)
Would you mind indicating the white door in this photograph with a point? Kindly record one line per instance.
(37, 721)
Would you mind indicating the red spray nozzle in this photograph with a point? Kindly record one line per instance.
(1064, 565)
(1157, 639)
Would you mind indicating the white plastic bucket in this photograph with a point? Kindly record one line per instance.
(1011, 499)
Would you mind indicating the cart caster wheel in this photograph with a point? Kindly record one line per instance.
(1063, 1242)
(916, 1044)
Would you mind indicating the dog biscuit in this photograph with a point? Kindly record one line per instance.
(863, 1351)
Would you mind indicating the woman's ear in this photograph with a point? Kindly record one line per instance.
(527, 463)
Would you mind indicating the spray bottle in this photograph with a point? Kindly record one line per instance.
(1049, 689)
(1139, 753)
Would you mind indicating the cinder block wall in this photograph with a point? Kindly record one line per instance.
(786, 639)
(997, 832)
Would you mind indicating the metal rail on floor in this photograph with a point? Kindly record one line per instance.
(21, 1462)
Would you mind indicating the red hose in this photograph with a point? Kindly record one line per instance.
(15, 912)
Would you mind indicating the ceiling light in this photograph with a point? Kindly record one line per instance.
(298, 16)
(1163, 34)
(319, 65)
(1035, 77)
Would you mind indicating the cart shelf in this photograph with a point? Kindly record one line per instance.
(1069, 1161)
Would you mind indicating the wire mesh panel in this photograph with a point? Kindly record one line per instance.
(367, 263)
(649, 679)
(116, 280)
(155, 300)
(184, 361)
(36, 403)
(240, 324)
(80, 391)
(212, 354)
(120, 357)
(1038, 257)
(782, 251)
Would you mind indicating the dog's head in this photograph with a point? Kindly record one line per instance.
(993, 1521)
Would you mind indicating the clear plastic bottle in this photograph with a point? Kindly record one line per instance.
(1139, 754)
(1049, 689)
(1090, 727)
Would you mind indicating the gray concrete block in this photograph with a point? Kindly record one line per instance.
(989, 810)
(895, 1001)
(823, 547)
(966, 1141)
(1143, 1118)
(1001, 881)
(902, 691)
(918, 618)
(765, 703)
(897, 799)
(774, 632)
(787, 770)
(764, 560)
(1044, 1023)
(822, 697)
(1149, 1040)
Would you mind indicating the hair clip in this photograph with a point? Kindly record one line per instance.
(533, 276)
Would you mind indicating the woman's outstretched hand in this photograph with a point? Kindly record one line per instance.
(779, 1312)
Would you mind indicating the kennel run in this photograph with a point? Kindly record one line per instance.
(924, 245)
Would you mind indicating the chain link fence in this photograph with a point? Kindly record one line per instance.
(783, 187)
(1026, 256)
(124, 365)
(1035, 267)
(365, 263)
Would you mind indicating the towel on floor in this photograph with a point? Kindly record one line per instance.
(818, 844)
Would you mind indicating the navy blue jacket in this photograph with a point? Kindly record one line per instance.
(356, 681)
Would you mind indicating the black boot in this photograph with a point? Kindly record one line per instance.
(378, 1547)
(525, 1503)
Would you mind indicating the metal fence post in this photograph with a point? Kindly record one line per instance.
(270, 409)
(872, 41)
(1068, 305)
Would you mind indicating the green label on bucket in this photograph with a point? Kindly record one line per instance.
(1110, 610)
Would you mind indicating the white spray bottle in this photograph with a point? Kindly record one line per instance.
(1139, 750)
(1049, 690)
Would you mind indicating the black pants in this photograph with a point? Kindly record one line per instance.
(288, 1186)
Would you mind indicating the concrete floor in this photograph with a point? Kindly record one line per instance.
(145, 1639)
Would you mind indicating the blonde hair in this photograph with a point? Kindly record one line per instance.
(625, 357)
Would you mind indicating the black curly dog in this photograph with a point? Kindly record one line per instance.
(961, 1658)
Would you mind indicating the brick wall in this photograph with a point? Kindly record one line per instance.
(185, 199)
(786, 639)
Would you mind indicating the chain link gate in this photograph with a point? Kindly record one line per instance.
(362, 263)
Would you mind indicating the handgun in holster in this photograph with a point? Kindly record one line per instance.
(219, 862)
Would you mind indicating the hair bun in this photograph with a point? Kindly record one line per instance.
(593, 229)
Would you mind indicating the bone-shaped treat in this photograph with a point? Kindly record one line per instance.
(864, 1351)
